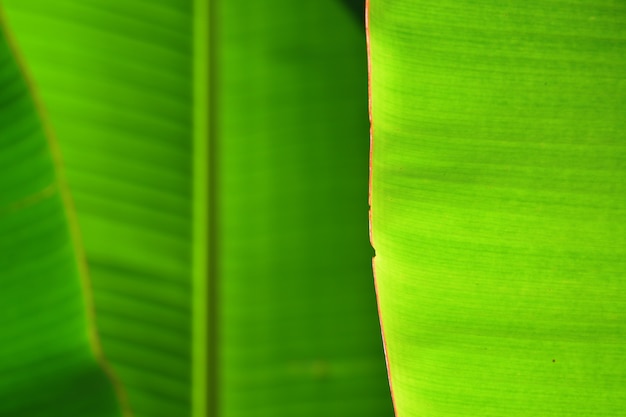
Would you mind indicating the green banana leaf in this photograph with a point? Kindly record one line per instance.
(272, 210)
(299, 334)
(498, 209)
(49, 353)
(115, 79)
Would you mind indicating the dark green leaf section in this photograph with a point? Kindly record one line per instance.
(356, 8)
(116, 79)
(298, 330)
(47, 366)
(499, 217)
(298, 333)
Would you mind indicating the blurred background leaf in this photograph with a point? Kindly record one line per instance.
(298, 326)
(293, 317)
(50, 358)
(115, 78)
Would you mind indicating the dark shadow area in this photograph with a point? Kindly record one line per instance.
(357, 9)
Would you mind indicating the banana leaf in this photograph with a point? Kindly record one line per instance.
(498, 210)
(115, 79)
(231, 276)
(299, 334)
(51, 362)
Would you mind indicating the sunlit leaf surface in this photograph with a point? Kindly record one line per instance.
(499, 217)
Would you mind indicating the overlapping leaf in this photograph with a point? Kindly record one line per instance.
(50, 362)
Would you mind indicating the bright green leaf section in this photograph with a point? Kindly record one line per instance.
(499, 217)
(298, 329)
(47, 365)
(203, 308)
(116, 79)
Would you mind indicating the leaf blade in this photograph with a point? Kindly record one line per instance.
(497, 210)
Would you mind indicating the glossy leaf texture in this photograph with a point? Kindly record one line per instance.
(498, 210)
(293, 313)
(50, 361)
